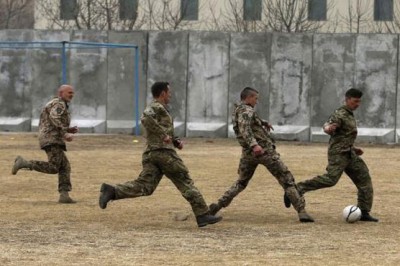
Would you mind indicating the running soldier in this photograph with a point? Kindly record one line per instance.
(343, 156)
(160, 158)
(54, 130)
(253, 134)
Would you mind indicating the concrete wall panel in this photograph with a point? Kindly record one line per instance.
(249, 67)
(46, 72)
(15, 83)
(377, 75)
(87, 71)
(291, 63)
(121, 103)
(208, 74)
(167, 61)
(333, 73)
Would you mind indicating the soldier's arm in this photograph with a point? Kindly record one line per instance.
(150, 122)
(332, 124)
(55, 116)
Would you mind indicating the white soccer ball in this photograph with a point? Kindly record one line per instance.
(351, 214)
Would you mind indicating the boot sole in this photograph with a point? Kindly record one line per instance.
(14, 170)
(101, 204)
(210, 222)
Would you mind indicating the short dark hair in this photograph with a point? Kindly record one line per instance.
(353, 93)
(158, 87)
(246, 92)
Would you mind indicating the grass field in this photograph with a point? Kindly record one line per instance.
(256, 230)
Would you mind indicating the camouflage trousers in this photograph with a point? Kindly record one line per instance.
(354, 167)
(57, 164)
(271, 160)
(157, 163)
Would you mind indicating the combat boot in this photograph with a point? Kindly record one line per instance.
(304, 217)
(203, 220)
(214, 208)
(366, 217)
(65, 198)
(20, 163)
(107, 193)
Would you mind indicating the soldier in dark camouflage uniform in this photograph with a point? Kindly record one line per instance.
(258, 147)
(343, 156)
(54, 130)
(160, 158)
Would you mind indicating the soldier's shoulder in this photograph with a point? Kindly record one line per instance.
(56, 101)
(341, 111)
(153, 108)
(244, 108)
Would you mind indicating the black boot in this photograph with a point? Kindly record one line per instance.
(286, 200)
(203, 220)
(214, 208)
(366, 217)
(107, 193)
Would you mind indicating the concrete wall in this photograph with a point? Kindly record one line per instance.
(301, 78)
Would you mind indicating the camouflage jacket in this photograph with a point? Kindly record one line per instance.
(54, 123)
(346, 133)
(248, 127)
(158, 124)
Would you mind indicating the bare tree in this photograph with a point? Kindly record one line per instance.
(90, 14)
(357, 16)
(166, 15)
(277, 15)
(16, 14)
(290, 16)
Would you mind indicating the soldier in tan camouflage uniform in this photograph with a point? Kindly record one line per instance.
(160, 158)
(343, 156)
(54, 130)
(258, 147)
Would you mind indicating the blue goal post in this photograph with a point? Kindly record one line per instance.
(64, 45)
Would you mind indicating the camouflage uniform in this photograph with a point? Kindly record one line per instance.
(54, 123)
(342, 158)
(160, 158)
(250, 131)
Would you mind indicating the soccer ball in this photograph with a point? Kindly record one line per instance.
(351, 214)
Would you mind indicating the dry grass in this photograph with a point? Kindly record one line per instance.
(257, 229)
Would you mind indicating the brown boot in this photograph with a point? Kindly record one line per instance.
(304, 217)
(65, 198)
(20, 163)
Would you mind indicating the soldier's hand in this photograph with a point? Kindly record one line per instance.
(68, 137)
(178, 143)
(167, 139)
(257, 150)
(330, 128)
(358, 151)
(268, 126)
(73, 130)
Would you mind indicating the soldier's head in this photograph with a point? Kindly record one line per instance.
(353, 98)
(249, 96)
(66, 92)
(161, 91)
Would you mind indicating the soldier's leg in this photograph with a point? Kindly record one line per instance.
(64, 181)
(174, 168)
(52, 166)
(334, 170)
(247, 167)
(271, 160)
(359, 174)
(144, 185)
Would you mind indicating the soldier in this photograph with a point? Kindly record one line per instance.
(253, 134)
(343, 156)
(160, 158)
(54, 130)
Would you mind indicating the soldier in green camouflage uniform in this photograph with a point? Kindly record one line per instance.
(160, 158)
(343, 156)
(258, 148)
(54, 130)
